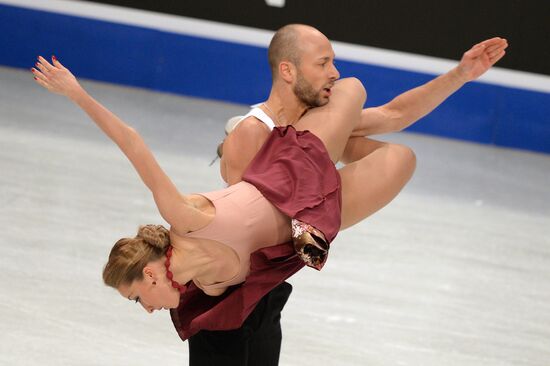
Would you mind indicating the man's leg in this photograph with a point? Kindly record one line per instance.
(216, 348)
(265, 343)
(256, 343)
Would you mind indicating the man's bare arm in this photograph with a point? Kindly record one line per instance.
(240, 147)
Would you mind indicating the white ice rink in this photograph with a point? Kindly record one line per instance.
(455, 271)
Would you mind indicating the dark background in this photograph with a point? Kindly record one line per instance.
(429, 27)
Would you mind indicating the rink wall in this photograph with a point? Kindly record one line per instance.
(207, 59)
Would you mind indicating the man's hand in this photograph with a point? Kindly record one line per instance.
(480, 58)
(414, 104)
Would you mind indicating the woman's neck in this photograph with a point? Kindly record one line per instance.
(190, 261)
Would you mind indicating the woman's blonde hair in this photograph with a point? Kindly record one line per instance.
(130, 255)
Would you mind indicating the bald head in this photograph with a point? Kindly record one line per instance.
(289, 43)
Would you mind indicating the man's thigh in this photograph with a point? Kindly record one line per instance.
(265, 343)
(216, 348)
(256, 343)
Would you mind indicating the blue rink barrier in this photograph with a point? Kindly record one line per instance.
(238, 73)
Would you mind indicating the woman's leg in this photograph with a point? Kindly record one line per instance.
(359, 147)
(334, 122)
(377, 173)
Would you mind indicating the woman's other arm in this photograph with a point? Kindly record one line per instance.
(172, 205)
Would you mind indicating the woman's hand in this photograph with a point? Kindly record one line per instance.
(56, 78)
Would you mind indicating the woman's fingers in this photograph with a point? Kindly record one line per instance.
(45, 63)
(45, 67)
(57, 64)
(42, 73)
(55, 77)
(38, 75)
(41, 82)
(40, 66)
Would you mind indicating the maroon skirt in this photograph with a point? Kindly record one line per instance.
(294, 172)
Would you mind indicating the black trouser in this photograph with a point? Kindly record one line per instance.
(256, 343)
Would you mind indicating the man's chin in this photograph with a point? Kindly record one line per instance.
(324, 101)
(317, 102)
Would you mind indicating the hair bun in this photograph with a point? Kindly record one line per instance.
(155, 235)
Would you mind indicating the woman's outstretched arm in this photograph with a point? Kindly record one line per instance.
(173, 206)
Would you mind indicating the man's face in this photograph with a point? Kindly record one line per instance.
(316, 72)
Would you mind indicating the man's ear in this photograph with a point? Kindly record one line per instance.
(287, 71)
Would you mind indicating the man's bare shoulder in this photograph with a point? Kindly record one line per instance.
(246, 138)
(250, 127)
(240, 147)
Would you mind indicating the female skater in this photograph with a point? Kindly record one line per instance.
(212, 235)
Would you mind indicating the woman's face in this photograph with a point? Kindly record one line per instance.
(153, 292)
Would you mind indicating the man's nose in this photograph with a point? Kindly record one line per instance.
(334, 73)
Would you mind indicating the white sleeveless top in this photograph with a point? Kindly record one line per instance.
(259, 114)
